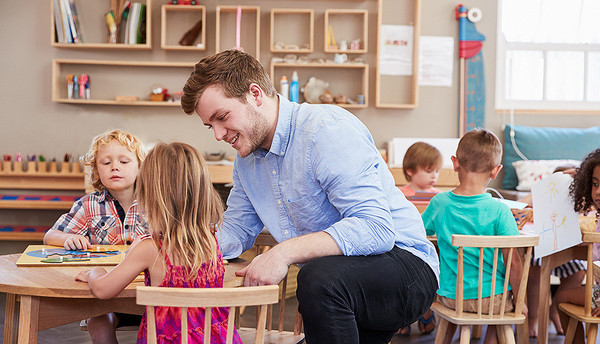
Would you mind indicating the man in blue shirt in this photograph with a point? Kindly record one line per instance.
(312, 175)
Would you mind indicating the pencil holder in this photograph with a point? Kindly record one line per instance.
(18, 167)
(65, 167)
(31, 167)
(42, 168)
(53, 167)
(76, 168)
(7, 166)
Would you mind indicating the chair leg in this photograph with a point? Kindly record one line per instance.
(476, 331)
(591, 332)
(499, 334)
(441, 331)
(509, 335)
(465, 334)
(570, 334)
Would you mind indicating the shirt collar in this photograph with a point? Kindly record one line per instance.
(281, 138)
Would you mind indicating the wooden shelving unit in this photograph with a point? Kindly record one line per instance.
(138, 77)
(346, 25)
(398, 91)
(330, 72)
(292, 27)
(93, 27)
(225, 29)
(176, 20)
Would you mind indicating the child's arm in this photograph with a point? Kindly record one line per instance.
(106, 285)
(69, 241)
(516, 272)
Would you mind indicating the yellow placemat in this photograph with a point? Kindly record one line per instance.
(34, 255)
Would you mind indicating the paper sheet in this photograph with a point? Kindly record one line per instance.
(436, 60)
(396, 49)
(554, 219)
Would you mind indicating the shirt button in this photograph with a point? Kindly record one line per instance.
(101, 223)
(126, 226)
(278, 201)
(274, 172)
(282, 152)
(286, 232)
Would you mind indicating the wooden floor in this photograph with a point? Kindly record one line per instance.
(71, 334)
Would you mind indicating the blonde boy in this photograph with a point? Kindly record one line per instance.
(421, 167)
(109, 215)
(468, 209)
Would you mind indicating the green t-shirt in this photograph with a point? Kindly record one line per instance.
(448, 214)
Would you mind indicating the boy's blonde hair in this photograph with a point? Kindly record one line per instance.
(479, 151)
(183, 208)
(126, 139)
(421, 155)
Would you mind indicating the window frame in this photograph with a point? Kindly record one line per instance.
(532, 106)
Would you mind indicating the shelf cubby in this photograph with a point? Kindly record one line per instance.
(292, 27)
(176, 20)
(346, 25)
(108, 79)
(90, 15)
(337, 75)
(225, 31)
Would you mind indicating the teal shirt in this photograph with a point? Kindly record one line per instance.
(448, 214)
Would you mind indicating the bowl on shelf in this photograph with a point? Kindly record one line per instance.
(214, 156)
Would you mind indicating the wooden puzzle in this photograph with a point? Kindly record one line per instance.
(45, 255)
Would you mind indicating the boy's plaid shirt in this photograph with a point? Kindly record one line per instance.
(95, 216)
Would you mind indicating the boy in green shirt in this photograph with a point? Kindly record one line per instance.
(469, 210)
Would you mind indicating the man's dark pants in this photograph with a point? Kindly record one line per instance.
(363, 299)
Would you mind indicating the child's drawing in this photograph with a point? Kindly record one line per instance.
(554, 219)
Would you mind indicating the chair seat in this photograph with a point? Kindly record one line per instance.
(271, 337)
(474, 319)
(578, 312)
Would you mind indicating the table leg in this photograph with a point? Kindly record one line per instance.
(9, 318)
(28, 319)
(544, 300)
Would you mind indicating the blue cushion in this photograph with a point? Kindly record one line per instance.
(546, 144)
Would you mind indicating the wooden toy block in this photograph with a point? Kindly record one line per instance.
(31, 168)
(53, 167)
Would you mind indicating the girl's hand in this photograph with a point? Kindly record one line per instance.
(83, 276)
(596, 312)
(77, 242)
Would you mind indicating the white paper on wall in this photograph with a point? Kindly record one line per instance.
(554, 219)
(396, 49)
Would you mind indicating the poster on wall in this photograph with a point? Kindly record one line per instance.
(436, 60)
(554, 219)
(396, 50)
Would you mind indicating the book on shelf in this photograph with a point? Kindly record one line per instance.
(75, 22)
(67, 37)
(134, 33)
(58, 22)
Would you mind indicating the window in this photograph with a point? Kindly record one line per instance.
(548, 55)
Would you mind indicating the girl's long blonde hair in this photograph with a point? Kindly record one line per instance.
(183, 208)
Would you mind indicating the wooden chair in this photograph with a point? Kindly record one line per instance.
(504, 319)
(264, 242)
(208, 298)
(583, 313)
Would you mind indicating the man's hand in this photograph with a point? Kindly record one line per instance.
(77, 242)
(265, 269)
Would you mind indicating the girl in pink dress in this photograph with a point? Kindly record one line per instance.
(183, 209)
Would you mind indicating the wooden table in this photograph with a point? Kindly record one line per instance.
(549, 263)
(50, 297)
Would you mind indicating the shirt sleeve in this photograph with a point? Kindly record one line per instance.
(507, 223)
(75, 221)
(346, 165)
(428, 215)
(241, 224)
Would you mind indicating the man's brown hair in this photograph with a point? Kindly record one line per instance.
(478, 151)
(421, 155)
(233, 70)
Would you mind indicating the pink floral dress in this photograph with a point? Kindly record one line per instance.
(168, 319)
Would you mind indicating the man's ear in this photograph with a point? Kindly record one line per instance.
(495, 171)
(455, 163)
(256, 94)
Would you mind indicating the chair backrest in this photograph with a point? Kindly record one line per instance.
(264, 242)
(592, 269)
(207, 298)
(497, 243)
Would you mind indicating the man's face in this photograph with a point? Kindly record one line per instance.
(241, 125)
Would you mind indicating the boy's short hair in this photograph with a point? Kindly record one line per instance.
(479, 151)
(421, 155)
(126, 139)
